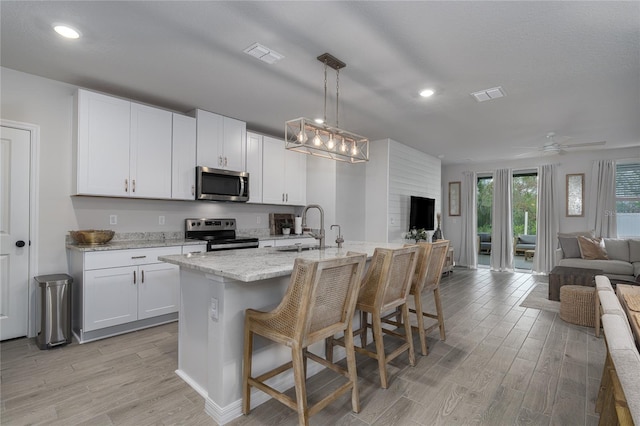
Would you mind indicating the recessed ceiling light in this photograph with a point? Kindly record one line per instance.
(427, 93)
(66, 31)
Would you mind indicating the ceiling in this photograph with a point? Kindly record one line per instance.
(568, 67)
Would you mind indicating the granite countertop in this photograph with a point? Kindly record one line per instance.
(136, 240)
(250, 265)
(132, 244)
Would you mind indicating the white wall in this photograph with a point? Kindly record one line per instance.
(350, 200)
(578, 162)
(31, 99)
(394, 173)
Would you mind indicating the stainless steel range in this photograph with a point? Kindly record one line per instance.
(220, 234)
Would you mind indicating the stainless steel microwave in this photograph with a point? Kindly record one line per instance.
(221, 185)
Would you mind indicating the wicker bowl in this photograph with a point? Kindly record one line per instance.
(92, 236)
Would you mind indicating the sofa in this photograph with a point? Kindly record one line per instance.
(484, 242)
(619, 259)
(523, 243)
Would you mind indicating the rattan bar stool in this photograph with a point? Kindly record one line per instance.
(320, 302)
(385, 287)
(427, 278)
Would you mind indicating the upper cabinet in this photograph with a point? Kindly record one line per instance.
(254, 166)
(284, 174)
(150, 154)
(123, 149)
(102, 148)
(221, 141)
(183, 167)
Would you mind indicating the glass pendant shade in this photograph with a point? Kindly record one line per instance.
(305, 136)
(315, 137)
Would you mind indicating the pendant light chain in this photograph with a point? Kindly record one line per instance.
(337, 95)
(325, 91)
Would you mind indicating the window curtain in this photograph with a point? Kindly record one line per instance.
(601, 214)
(468, 253)
(547, 219)
(501, 227)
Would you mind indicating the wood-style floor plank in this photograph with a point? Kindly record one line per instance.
(501, 364)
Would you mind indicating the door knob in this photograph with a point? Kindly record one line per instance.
(20, 243)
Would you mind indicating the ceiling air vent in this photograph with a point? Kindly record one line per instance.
(488, 94)
(263, 53)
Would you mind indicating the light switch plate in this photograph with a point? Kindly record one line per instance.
(113, 219)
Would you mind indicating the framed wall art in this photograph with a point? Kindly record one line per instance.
(575, 195)
(454, 198)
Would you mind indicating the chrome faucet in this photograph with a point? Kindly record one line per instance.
(320, 234)
(339, 239)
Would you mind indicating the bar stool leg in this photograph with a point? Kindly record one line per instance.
(246, 370)
(299, 377)
(380, 355)
(420, 318)
(351, 368)
(407, 330)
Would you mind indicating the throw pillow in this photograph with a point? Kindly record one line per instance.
(570, 247)
(592, 248)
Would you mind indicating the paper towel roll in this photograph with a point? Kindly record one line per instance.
(297, 225)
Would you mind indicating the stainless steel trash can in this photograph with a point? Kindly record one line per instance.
(55, 310)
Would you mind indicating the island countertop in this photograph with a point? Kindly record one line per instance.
(250, 265)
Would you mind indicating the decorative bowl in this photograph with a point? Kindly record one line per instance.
(92, 236)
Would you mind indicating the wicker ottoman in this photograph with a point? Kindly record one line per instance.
(577, 305)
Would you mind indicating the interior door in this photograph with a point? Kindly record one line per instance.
(15, 147)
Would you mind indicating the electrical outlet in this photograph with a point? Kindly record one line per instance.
(213, 310)
(160, 220)
(113, 219)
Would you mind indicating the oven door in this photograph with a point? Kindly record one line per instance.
(221, 185)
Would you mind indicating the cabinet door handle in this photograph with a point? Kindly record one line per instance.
(287, 197)
(126, 185)
(138, 257)
(134, 277)
(193, 190)
(220, 161)
(283, 197)
(225, 161)
(133, 185)
(142, 277)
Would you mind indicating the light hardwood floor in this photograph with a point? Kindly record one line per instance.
(500, 365)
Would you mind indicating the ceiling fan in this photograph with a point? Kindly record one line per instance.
(552, 146)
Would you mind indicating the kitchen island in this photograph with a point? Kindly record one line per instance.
(215, 290)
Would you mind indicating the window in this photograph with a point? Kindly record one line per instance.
(628, 199)
(484, 201)
(524, 203)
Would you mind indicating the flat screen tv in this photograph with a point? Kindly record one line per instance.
(422, 213)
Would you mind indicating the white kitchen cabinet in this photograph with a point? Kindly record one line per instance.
(221, 141)
(102, 145)
(150, 155)
(254, 166)
(110, 297)
(183, 166)
(158, 290)
(266, 243)
(123, 149)
(305, 241)
(284, 174)
(118, 291)
(194, 249)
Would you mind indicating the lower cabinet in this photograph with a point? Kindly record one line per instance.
(122, 290)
